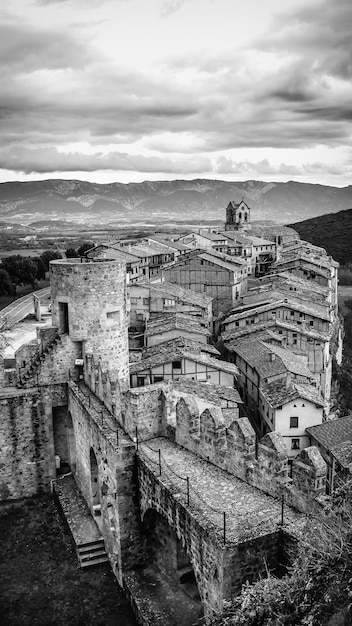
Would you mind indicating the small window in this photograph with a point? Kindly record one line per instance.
(158, 379)
(311, 323)
(176, 365)
(294, 422)
(134, 301)
(168, 302)
(140, 381)
(113, 315)
(145, 300)
(295, 444)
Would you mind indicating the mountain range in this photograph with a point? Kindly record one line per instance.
(84, 203)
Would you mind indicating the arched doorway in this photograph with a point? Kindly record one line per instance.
(94, 482)
(168, 571)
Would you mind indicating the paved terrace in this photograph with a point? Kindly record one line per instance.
(249, 512)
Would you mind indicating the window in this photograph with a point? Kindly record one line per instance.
(140, 381)
(294, 422)
(295, 444)
(145, 300)
(311, 323)
(176, 365)
(168, 302)
(157, 379)
(113, 315)
(134, 301)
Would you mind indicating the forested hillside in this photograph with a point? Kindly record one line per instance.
(332, 232)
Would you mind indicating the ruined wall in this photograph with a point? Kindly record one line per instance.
(27, 461)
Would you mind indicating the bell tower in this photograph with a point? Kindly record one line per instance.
(237, 216)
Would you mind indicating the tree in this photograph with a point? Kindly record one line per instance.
(49, 255)
(71, 253)
(6, 287)
(22, 270)
(87, 245)
(40, 268)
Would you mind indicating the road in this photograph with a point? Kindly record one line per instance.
(19, 309)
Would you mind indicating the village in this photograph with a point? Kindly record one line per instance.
(178, 400)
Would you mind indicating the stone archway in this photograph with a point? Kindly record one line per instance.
(171, 569)
(94, 482)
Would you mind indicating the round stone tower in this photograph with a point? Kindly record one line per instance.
(89, 305)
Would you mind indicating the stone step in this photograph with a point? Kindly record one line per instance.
(96, 545)
(93, 562)
(92, 556)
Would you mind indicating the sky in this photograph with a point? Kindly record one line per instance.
(133, 90)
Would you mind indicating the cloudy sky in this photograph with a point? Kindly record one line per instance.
(129, 90)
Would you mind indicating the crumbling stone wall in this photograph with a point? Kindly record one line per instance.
(27, 462)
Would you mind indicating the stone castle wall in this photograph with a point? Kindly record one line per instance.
(27, 460)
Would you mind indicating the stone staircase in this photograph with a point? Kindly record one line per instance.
(29, 372)
(91, 553)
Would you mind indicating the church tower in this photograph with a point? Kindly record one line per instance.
(238, 216)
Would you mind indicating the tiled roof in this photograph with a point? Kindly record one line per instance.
(207, 391)
(290, 278)
(169, 243)
(182, 342)
(113, 252)
(230, 337)
(273, 230)
(146, 250)
(285, 302)
(278, 393)
(212, 236)
(232, 266)
(333, 432)
(175, 321)
(181, 293)
(293, 362)
(259, 241)
(167, 355)
(343, 454)
(256, 354)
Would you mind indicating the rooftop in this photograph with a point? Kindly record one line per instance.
(257, 308)
(333, 432)
(278, 393)
(167, 353)
(175, 321)
(211, 393)
(181, 293)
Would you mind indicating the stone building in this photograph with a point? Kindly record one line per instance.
(217, 276)
(238, 216)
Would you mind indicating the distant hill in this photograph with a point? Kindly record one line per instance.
(332, 232)
(84, 203)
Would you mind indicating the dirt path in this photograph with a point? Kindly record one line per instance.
(40, 581)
